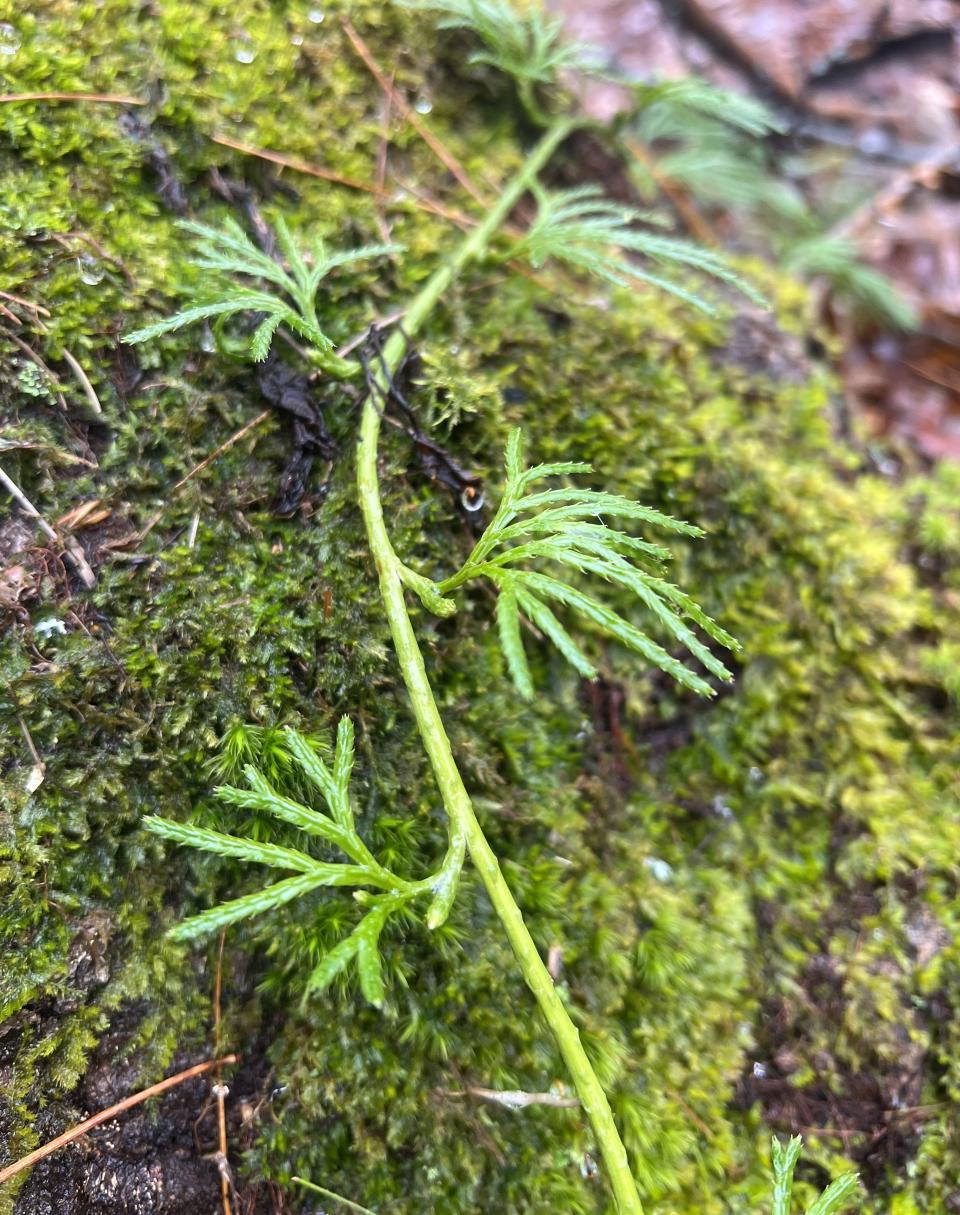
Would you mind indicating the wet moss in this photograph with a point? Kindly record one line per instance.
(768, 879)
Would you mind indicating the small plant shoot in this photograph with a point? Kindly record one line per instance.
(784, 1157)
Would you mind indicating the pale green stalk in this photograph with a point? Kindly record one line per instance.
(465, 830)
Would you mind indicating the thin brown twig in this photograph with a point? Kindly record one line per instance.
(294, 162)
(312, 170)
(225, 446)
(73, 550)
(693, 221)
(513, 1099)
(383, 323)
(36, 778)
(110, 1113)
(223, 1159)
(215, 454)
(382, 152)
(106, 98)
(433, 143)
(17, 299)
(421, 199)
(691, 1114)
(926, 173)
(84, 381)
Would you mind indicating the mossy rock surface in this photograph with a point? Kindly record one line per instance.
(752, 901)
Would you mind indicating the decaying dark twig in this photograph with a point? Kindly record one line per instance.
(157, 159)
(437, 463)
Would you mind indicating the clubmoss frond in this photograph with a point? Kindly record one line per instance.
(337, 830)
(669, 105)
(590, 232)
(838, 260)
(556, 527)
(527, 46)
(290, 303)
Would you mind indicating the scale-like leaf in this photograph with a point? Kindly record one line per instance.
(332, 964)
(313, 766)
(224, 914)
(514, 462)
(613, 567)
(545, 620)
(230, 249)
(526, 46)
(624, 632)
(664, 100)
(262, 338)
(584, 504)
(247, 301)
(784, 1157)
(369, 968)
(540, 471)
(262, 796)
(231, 845)
(837, 1194)
(342, 770)
(290, 303)
(508, 622)
(555, 525)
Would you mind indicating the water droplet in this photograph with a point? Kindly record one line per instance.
(315, 15)
(90, 269)
(50, 627)
(721, 809)
(423, 104)
(9, 39)
(245, 54)
(296, 40)
(471, 499)
(661, 870)
(208, 343)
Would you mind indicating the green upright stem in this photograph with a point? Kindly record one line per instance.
(465, 829)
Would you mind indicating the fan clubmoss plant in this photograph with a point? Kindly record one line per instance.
(565, 528)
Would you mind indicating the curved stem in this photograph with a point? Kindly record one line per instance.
(465, 830)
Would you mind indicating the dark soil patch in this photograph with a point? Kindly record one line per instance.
(158, 1158)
